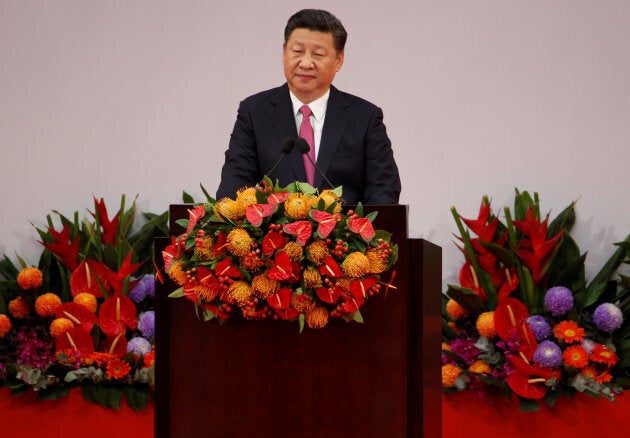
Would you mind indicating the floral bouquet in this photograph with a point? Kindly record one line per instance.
(282, 253)
(523, 319)
(84, 317)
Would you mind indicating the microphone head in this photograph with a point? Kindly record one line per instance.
(302, 145)
(287, 145)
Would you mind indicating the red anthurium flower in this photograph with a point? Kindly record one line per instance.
(170, 253)
(329, 294)
(225, 268)
(281, 299)
(218, 312)
(350, 304)
(272, 242)
(110, 228)
(359, 288)
(361, 226)
(193, 217)
(220, 246)
(255, 213)
(88, 276)
(301, 229)
(528, 380)
(282, 268)
(76, 339)
(117, 313)
(78, 314)
(508, 315)
(116, 346)
(330, 268)
(64, 249)
(326, 221)
(509, 284)
(190, 292)
(468, 279)
(287, 314)
(277, 197)
(480, 226)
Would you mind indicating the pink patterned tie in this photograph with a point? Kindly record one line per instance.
(306, 132)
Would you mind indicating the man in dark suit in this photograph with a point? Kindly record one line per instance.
(348, 136)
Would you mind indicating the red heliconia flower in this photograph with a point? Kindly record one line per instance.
(509, 284)
(116, 279)
(110, 228)
(194, 215)
(89, 276)
(326, 222)
(116, 314)
(359, 288)
(508, 316)
(78, 314)
(480, 226)
(64, 249)
(301, 229)
(255, 213)
(225, 268)
(329, 294)
(330, 268)
(116, 346)
(277, 197)
(272, 242)
(362, 226)
(77, 340)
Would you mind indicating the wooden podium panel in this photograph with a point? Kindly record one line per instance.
(264, 379)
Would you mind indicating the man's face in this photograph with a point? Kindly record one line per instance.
(310, 63)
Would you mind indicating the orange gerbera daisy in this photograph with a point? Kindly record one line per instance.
(575, 356)
(117, 369)
(568, 331)
(602, 354)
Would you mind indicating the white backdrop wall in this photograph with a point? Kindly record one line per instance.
(101, 98)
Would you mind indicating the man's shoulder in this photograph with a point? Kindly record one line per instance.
(344, 98)
(281, 92)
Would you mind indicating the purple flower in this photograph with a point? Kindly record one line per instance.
(138, 346)
(146, 324)
(559, 300)
(608, 317)
(540, 327)
(465, 348)
(34, 347)
(144, 288)
(588, 344)
(548, 355)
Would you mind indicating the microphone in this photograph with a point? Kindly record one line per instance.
(285, 149)
(303, 147)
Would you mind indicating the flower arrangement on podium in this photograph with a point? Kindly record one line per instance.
(84, 317)
(285, 253)
(523, 319)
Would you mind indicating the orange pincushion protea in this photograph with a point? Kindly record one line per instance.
(264, 286)
(312, 277)
(206, 293)
(329, 197)
(60, 326)
(239, 242)
(318, 251)
(297, 205)
(317, 317)
(177, 273)
(47, 304)
(356, 264)
(5, 325)
(294, 251)
(226, 207)
(18, 308)
(241, 292)
(244, 198)
(450, 373)
(30, 278)
(485, 325)
(376, 257)
(204, 248)
(301, 302)
(117, 369)
(87, 300)
(454, 310)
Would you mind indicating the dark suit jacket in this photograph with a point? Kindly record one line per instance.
(354, 152)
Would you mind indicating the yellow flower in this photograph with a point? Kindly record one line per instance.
(30, 278)
(329, 197)
(356, 264)
(87, 300)
(485, 325)
(241, 292)
(239, 242)
(450, 373)
(318, 251)
(297, 205)
(317, 317)
(47, 304)
(244, 198)
(204, 248)
(226, 207)
(294, 251)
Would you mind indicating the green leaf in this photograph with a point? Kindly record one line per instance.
(467, 298)
(53, 393)
(106, 396)
(206, 194)
(528, 405)
(187, 198)
(301, 320)
(357, 317)
(177, 293)
(137, 398)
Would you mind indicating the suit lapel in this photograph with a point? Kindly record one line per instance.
(283, 120)
(334, 126)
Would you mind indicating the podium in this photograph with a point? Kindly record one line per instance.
(264, 379)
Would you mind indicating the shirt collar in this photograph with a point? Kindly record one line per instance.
(318, 106)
